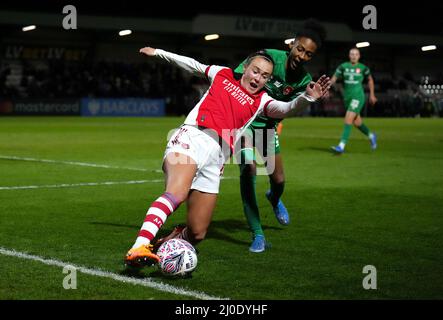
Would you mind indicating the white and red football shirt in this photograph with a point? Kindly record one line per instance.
(226, 105)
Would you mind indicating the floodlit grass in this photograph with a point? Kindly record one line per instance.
(379, 208)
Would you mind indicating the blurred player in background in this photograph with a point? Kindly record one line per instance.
(289, 80)
(195, 154)
(353, 73)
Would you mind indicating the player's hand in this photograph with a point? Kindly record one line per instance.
(327, 95)
(148, 51)
(372, 100)
(319, 89)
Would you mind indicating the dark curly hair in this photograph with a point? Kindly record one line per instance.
(314, 30)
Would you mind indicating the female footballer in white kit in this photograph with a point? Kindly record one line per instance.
(195, 154)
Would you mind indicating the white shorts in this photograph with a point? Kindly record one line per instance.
(205, 151)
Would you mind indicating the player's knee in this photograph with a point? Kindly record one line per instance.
(179, 196)
(278, 178)
(196, 234)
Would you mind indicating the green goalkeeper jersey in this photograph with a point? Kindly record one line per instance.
(279, 86)
(352, 76)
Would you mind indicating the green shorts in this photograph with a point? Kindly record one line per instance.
(265, 142)
(355, 104)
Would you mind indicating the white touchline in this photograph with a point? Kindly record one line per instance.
(70, 185)
(85, 184)
(105, 274)
(84, 164)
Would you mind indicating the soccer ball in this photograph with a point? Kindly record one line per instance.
(177, 257)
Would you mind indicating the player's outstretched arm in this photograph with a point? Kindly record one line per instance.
(314, 91)
(186, 63)
(149, 51)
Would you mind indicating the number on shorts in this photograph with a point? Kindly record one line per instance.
(354, 104)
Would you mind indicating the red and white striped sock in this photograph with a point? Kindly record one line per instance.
(156, 216)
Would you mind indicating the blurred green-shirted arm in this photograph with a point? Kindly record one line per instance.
(240, 67)
(339, 72)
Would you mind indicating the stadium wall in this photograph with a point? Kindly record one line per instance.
(86, 107)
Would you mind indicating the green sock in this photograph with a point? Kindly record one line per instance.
(364, 129)
(249, 198)
(276, 192)
(346, 133)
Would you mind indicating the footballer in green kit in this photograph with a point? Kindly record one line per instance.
(353, 73)
(289, 79)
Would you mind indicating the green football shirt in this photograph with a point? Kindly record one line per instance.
(279, 87)
(352, 76)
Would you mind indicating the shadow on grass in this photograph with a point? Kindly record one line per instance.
(159, 275)
(132, 272)
(222, 229)
(118, 225)
(332, 153)
(218, 229)
(149, 272)
(324, 150)
(161, 233)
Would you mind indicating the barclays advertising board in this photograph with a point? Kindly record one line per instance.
(124, 107)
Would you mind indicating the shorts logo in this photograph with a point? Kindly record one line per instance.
(182, 144)
(177, 137)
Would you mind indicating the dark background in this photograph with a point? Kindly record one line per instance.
(113, 68)
(393, 16)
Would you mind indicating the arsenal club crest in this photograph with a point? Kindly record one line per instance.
(288, 90)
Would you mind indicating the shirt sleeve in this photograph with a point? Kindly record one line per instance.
(241, 67)
(278, 109)
(211, 71)
(189, 64)
(339, 72)
(186, 63)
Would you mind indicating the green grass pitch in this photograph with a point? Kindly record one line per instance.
(381, 208)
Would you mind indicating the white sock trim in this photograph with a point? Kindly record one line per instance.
(140, 241)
